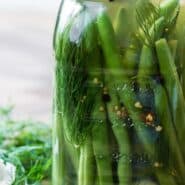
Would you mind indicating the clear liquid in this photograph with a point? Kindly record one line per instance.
(115, 107)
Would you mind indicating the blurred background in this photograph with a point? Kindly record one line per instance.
(26, 57)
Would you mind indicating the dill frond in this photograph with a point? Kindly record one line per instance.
(76, 96)
(146, 15)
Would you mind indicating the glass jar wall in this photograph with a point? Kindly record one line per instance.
(119, 108)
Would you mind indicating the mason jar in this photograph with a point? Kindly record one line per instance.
(119, 107)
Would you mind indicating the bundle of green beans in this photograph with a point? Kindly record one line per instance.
(119, 107)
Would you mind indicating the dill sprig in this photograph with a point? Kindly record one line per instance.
(146, 15)
(26, 145)
(153, 23)
(73, 71)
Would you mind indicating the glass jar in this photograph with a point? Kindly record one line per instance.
(119, 108)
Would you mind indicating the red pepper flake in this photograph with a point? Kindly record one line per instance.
(149, 118)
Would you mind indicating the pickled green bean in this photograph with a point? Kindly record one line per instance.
(108, 41)
(87, 168)
(126, 95)
(147, 65)
(167, 128)
(124, 166)
(173, 87)
(165, 178)
(101, 146)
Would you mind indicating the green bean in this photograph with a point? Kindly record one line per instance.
(147, 66)
(120, 132)
(100, 132)
(89, 163)
(130, 100)
(87, 167)
(96, 181)
(147, 69)
(167, 128)
(130, 61)
(90, 36)
(126, 95)
(123, 27)
(73, 153)
(81, 167)
(124, 165)
(86, 173)
(183, 79)
(107, 38)
(59, 157)
(173, 86)
(100, 143)
(173, 47)
(124, 169)
(164, 178)
(145, 182)
(180, 58)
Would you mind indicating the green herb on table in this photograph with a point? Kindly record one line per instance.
(26, 145)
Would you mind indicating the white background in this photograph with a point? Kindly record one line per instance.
(26, 61)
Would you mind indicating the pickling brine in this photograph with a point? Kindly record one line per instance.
(119, 106)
